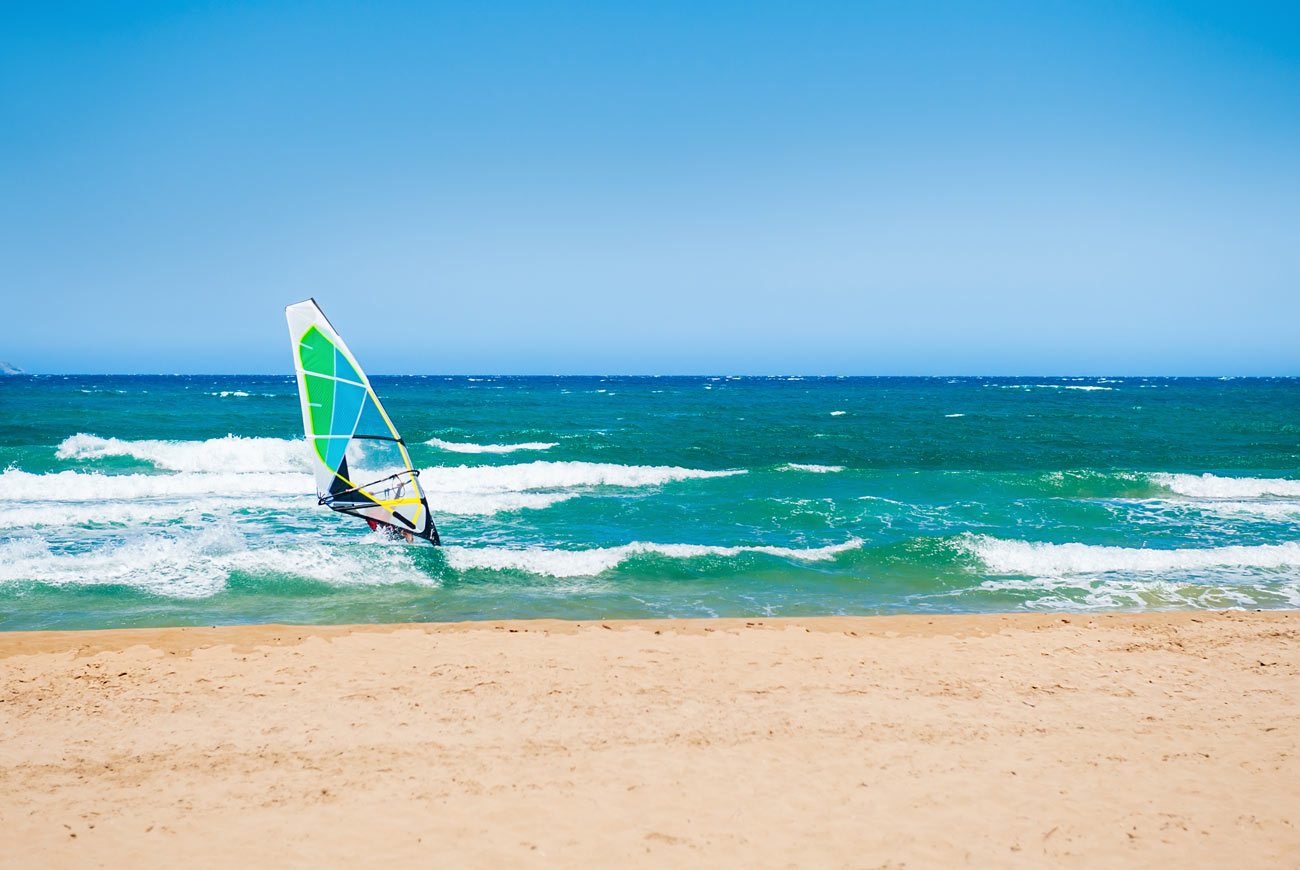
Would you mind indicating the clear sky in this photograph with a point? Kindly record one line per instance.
(756, 187)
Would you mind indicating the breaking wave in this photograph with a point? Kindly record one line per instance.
(486, 504)
(26, 515)
(1126, 593)
(1060, 560)
(530, 476)
(201, 565)
(1090, 483)
(85, 486)
(94, 498)
(1255, 509)
(1213, 486)
(590, 562)
(236, 456)
(455, 447)
(232, 453)
(144, 511)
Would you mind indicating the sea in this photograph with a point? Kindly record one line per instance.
(188, 500)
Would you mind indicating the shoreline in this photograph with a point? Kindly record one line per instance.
(247, 636)
(1077, 740)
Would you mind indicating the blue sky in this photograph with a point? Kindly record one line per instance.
(846, 188)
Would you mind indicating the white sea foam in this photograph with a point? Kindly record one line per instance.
(1113, 592)
(815, 469)
(29, 515)
(486, 504)
(455, 447)
(954, 415)
(1088, 387)
(232, 453)
(597, 560)
(199, 565)
(224, 393)
(71, 498)
(838, 413)
(1213, 486)
(93, 498)
(86, 486)
(532, 476)
(1269, 509)
(238, 454)
(25, 514)
(1059, 560)
(1076, 477)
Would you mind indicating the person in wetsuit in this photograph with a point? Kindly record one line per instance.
(391, 530)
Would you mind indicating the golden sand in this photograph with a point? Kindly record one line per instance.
(1080, 741)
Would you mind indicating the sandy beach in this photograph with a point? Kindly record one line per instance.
(1120, 740)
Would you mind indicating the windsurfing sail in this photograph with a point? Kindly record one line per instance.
(360, 462)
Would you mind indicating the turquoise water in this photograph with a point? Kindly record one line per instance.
(132, 501)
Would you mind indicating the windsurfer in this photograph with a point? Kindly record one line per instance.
(392, 531)
(340, 409)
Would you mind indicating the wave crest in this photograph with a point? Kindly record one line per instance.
(466, 447)
(89, 486)
(200, 565)
(1213, 486)
(532, 476)
(597, 560)
(233, 453)
(1058, 560)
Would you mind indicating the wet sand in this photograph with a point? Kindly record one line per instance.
(1082, 741)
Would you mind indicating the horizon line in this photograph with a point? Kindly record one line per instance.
(290, 375)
